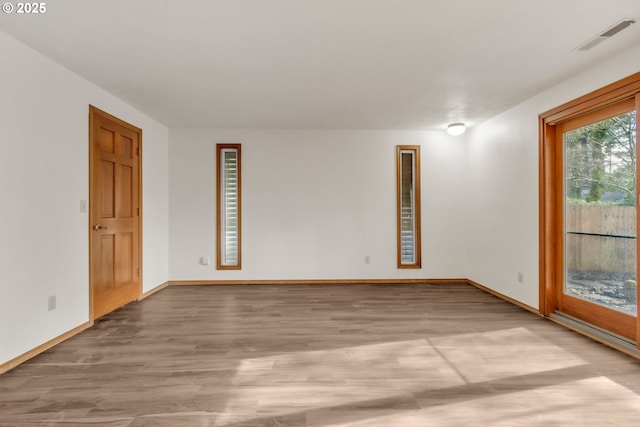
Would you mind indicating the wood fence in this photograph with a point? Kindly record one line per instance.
(601, 238)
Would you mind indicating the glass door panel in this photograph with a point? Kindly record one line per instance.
(600, 259)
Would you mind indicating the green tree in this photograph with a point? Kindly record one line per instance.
(601, 158)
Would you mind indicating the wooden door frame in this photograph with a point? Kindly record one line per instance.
(550, 202)
(94, 112)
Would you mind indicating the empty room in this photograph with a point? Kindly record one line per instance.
(359, 213)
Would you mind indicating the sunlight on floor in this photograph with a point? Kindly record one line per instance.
(395, 380)
(594, 399)
(503, 353)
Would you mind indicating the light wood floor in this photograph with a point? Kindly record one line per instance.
(325, 355)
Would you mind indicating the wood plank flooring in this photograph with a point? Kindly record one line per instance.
(324, 355)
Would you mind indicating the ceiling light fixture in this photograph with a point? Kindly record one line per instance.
(456, 129)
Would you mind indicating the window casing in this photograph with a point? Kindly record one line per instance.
(408, 206)
(229, 202)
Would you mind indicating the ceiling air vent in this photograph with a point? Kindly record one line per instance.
(609, 32)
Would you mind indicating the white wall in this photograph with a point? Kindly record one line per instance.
(43, 177)
(315, 203)
(502, 190)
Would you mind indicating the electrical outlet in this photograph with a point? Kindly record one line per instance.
(52, 303)
(520, 277)
(204, 260)
(367, 259)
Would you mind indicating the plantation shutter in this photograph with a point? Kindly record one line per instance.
(407, 208)
(229, 201)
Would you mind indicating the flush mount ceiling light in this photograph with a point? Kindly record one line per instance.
(456, 129)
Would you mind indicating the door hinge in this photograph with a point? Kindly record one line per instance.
(137, 151)
(138, 271)
(138, 211)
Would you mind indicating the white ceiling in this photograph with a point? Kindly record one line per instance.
(324, 64)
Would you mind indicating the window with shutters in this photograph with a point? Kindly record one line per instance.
(229, 207)
(408, 205)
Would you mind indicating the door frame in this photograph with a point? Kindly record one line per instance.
(95, 112)
(551, 205)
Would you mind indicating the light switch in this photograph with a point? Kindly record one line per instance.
(83, 206)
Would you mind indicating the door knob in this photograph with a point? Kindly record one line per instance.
(100, 227)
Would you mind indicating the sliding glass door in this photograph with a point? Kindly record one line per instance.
(599, 218)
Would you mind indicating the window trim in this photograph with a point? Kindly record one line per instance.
(220, 148)
(417, 263)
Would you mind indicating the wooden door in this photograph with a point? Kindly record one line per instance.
(597, 187)
(114, 205)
